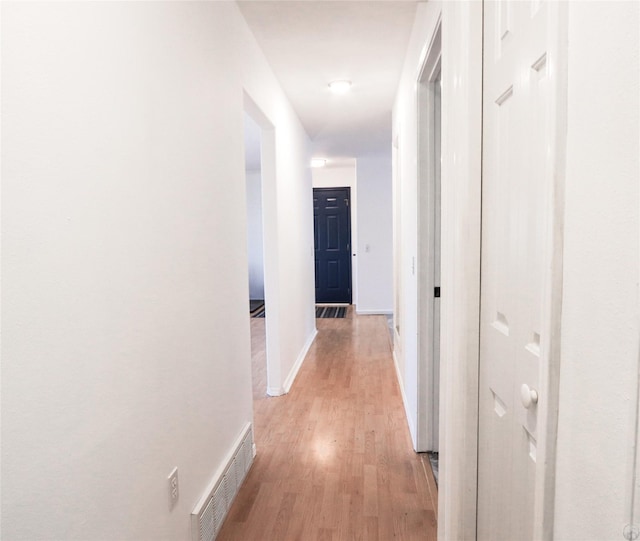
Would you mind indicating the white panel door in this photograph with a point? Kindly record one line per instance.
(516, 201)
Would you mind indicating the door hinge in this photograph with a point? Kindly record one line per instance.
(346, 202)
(436, 292)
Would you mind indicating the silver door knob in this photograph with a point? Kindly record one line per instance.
(528, 396)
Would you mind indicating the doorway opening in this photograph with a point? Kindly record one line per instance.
(429, 161)
(332, 245)
(255, 255)
(261, 135)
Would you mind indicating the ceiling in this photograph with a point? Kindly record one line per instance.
(311, 43)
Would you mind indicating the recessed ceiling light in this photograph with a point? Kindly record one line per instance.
(318, 162)
(340, 87)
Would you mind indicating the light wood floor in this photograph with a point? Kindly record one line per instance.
(334, 455)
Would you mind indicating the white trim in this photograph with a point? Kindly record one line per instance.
(275, 391)
(301, 357)
(427, 317)
(294, 370)
(462, 27)
(235, 466)
(270, 236)
(374, 312)
(551, 324)
(407, 410)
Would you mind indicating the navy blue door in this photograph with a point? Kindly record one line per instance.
(332, 229)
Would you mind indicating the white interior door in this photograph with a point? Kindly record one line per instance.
(520, 76)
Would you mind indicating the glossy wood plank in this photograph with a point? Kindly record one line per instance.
(334, 455)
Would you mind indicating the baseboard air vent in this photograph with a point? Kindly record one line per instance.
(211, 510)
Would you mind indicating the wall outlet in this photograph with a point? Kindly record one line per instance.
(174, 492)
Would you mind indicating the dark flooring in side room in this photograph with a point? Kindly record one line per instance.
(257, 309)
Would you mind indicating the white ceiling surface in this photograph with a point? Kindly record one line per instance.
(311, 43)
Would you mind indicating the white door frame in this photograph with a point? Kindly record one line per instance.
(460, 264)
(270, 244)
(428, 340)
(544, 499)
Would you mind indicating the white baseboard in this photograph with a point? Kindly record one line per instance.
(374, 312)
(286, 387)
(210, 511)
(301, 356)
(407, 410)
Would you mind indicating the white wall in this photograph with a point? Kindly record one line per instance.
(335, 177)
(406, 198)
(599, 366)
(371, 226)
(375, 240)
(125, 329)
(254, 235)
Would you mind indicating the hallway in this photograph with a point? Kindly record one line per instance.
(334, 455)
